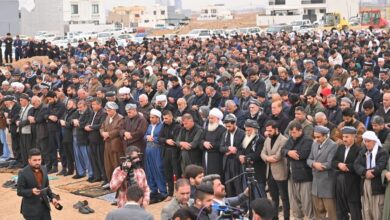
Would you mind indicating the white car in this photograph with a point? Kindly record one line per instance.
(195, 33)
(102, 37)
(48, 37)
(123, 39)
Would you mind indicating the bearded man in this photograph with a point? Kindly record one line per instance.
(252, 145)
(211, 141)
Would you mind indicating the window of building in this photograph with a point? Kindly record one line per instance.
(323, 11)
(154, 12)
(95, 9)
(74, 9)
(162, 12)
(213, 11)
(136, 15)
(280, 2)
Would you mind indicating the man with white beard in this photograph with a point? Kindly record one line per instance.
(211, 141)
(252, 145)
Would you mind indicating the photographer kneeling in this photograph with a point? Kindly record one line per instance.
(128, 174)
(221, 204)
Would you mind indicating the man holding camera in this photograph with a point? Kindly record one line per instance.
(128, 174)
(33, 186)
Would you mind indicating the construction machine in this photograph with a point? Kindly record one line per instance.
(334, 20)
(373, 17)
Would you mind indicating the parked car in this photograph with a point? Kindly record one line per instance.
(279, 28)
(297, 25)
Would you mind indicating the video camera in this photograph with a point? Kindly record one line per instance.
(130, 170)
(228, 212)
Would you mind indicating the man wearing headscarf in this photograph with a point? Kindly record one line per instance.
(211, 141)
(369, 165)
(153, 159)
(347, 181)
(113, 147)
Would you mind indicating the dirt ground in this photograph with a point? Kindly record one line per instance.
(10, 202)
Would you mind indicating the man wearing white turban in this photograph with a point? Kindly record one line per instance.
(211, 141)
(369, 165)
(153, 159)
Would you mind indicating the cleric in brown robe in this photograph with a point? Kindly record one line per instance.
(113, 148)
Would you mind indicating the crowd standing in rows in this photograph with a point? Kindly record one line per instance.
(310, 112)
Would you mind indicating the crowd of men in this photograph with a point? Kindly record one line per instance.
(309, 112)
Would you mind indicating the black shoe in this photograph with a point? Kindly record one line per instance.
(90, 179)
(89, 209)
(83, 210)
(104, 183)
(9, 159)
(53, 170)
(77, 176)
(115, 203)
(80, 204)
(96, 180)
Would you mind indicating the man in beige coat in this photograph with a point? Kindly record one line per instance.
(277, 173)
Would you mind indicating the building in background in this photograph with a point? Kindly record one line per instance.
(126, 16)
(215, 12)
(62, 16)
(285, 11)
(9, 17)
(160, 16)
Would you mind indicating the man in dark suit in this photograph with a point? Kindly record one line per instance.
(33, 186)
(347, 181)
(133, 208)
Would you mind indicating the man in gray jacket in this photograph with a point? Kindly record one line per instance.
(320, 160)
(180, 200)
(133, 209)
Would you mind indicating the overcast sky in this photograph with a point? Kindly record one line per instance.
(189, 4)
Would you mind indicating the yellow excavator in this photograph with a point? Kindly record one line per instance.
(334, 20)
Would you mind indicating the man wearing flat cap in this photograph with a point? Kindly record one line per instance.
(134, 128)
(24, 127)
(347, 181)
(211, 142)
(230, 146)
(110, 131)
(320, 160)
(252, 145)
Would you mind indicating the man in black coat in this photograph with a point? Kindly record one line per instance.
(171, 157)
(230, 146)
(39, 127)
(211, 141)
(370, 163)
(80, 142)
(96, 144)
(55, 111)
(67, 136)
(8, 48)
(33, 186)
(297, 150)
(188, 140)
(13, 116)
(347, 181)
(252, 145)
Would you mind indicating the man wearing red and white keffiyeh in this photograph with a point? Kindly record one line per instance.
(121, 178)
